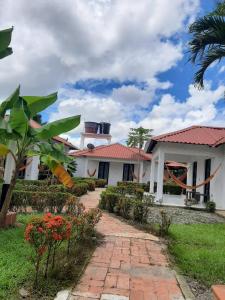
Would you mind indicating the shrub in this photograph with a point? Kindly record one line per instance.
(210, 206)
(102, 201)
(132, 185)
(165, 223)
(32, 182)
(172, 189)
(40, 201)
(111, 200)
(45, 234)
(91, 184)
(140, 211)
(79, 189)
(139, 193)
(124, 206)
(100, 183)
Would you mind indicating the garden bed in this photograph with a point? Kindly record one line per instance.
(17, 269)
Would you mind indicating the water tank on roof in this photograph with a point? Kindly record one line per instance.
(104, 128)
(91, 127)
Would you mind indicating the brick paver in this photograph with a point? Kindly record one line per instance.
(129, 264)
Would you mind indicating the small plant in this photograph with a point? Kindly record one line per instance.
(149, 200)
(124, 207)
(140, 211)
(111, 200)
(45, 234)
(210, 206)
(165, 223)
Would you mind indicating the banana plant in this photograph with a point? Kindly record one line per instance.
(15, 113)
(5, 40)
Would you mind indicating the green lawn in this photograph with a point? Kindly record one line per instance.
(199, 251)
(15, 265)
(16, 269)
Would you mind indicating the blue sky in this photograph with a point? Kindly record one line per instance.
(125, 62)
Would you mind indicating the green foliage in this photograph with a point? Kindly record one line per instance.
(207, 42)
(111, 201)
(172, 189)
(199, 251)
(100, 183)
(5, 40)
(124, 207)
(165, 223)
(138, 136)
(140, 211)
(210, 206)
(132, 185)
(38, 201)
(32, 182)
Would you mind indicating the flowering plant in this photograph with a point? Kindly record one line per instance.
(45, 234)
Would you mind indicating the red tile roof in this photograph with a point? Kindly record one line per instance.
(198, 135)
(116, 151)
(59, 139)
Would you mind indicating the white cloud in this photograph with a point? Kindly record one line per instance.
(168, 115)
(64, 41)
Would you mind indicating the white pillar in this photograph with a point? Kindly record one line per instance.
(81, 142)
(161, 159)
(200, 174)
(86, 167)
(10, 163)
(32, 170)
(152, 176)
(189, 173)
(141, 172)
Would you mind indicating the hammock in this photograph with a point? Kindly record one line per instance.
(91, 174)
(192, 187)
(166, 176)
(136, 177)
(25, 166)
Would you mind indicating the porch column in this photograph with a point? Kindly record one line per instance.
(141, 172)
(86, 167)
(161, 159)
(9, 164)
(189, 173)
(32, 170)
(152, 176)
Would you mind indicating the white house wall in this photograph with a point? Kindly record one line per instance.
(115, 168)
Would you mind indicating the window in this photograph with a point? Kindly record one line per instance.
(128, 172)
(103, 170)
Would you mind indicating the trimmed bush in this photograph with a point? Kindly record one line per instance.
(172, 189)
(40, 201)
(90, 183)
(102, 201)
(100, 183)
(79, 189)
(133, 185)
(109, 200)
(32, 182)
(123, 207)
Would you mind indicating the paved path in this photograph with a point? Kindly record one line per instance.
(129, 264)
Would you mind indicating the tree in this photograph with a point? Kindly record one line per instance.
(136, 138)
(19, 140)
(208, 41)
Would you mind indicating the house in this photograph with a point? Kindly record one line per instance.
(31, 172)
(114, 162)
(203, 149)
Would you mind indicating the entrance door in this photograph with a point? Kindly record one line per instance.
(128, 172)
(207, 174)
(103, 170)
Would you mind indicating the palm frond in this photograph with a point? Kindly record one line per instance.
(212, 55)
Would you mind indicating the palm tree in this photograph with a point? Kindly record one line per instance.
(136, 138)
(208, 41)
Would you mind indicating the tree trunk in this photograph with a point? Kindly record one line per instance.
(8, 197)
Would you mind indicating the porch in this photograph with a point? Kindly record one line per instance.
(201, 162)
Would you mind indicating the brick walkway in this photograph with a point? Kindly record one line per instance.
(129, 264)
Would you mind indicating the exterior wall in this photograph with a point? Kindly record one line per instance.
(115, 169)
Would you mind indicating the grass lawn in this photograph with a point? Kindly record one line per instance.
(17, 270)
(199, 251)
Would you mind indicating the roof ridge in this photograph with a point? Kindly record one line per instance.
(174, 132)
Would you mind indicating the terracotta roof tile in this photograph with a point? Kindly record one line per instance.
(115, 151)
(198, 135)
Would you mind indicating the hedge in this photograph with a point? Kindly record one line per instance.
(133, 185)
(32, 182)
(40, 201)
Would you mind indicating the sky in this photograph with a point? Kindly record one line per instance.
(118, 61)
